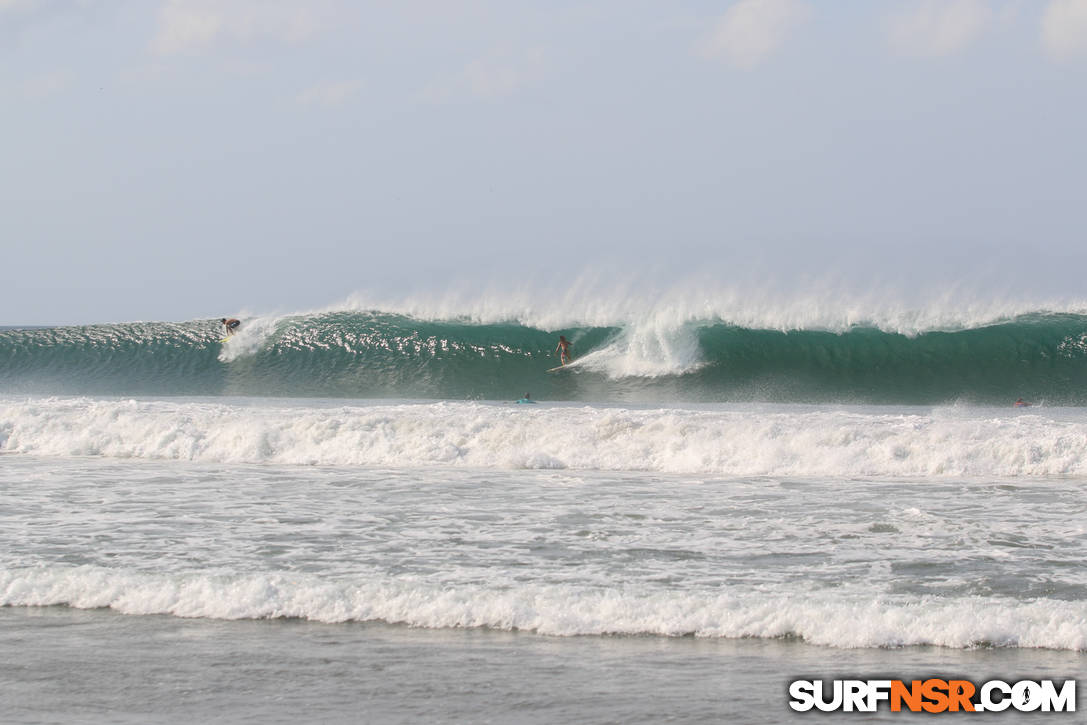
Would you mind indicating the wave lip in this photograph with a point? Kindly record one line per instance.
(800, 442)
(846, 622)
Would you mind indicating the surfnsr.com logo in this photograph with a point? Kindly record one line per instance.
(932, 695)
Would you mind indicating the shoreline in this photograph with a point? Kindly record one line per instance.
(101, 666)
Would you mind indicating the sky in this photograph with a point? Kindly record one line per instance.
(178, 159)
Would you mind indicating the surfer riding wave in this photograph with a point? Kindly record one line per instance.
(563, 348)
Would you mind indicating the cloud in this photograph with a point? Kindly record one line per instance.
(937, 28)
(491, 76)
(329, 94)
(189, 25)
(751, 30)
(1064, 29)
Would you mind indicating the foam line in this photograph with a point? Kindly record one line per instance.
(846, 621)
(745, 442)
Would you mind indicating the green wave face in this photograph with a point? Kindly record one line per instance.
(1039, 357)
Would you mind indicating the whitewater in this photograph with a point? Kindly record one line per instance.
(741, 440)
(703, 507)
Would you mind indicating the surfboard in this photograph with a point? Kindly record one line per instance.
(225, 339)
(560, 367)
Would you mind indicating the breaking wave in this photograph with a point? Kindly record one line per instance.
(1038, 356)
(836, 620)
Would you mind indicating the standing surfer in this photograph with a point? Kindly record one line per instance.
(563, 348)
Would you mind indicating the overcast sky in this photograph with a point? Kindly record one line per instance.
(173, 159)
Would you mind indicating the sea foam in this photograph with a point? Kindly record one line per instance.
(834, 619)
(751, 441)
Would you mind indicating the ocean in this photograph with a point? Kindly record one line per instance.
(345, 517)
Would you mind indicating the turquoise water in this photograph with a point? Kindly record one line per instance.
(1041, 357)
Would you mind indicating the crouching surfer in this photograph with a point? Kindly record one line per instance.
(230, 324)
